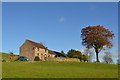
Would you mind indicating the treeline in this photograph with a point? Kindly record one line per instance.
(75, 54)
(87, 56)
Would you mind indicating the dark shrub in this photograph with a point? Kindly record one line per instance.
(84, 58)
(3, 60)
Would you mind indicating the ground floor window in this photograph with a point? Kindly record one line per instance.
(45, 56)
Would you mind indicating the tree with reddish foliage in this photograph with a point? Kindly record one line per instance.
(96, 37)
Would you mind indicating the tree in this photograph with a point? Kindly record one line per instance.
(108, 58)
(85, 58)
(74, 53)
(11, 52)
(96, 37)
(90, 57)
(62, 52)
(89, 54)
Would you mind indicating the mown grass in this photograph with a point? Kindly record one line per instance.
(5, 55)
(58, 70)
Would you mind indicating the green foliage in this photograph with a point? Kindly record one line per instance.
(62, 52)
(8, 57)
(11, 53)
(3, 60)
(74, 53)
(4, 55)
(84, 58)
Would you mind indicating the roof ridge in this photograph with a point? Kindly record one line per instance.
(36, 44)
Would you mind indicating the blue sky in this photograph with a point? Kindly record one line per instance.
(57, 25)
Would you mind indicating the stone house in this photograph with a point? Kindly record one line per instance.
(32, 49)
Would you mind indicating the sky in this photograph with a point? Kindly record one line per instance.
(57, 25)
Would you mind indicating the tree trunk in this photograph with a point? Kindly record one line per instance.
(96, 50)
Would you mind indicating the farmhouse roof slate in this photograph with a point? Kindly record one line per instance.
(51, 52)
(56, 53)
(39, 45)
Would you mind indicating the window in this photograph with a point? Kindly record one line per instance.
(45, 55)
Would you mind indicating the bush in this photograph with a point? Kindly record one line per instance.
(3, 60)
(84, 58)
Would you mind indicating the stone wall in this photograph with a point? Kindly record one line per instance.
(27, 50)
(67, 59)
(41, 53)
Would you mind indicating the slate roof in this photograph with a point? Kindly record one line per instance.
(39, 45)
(51, 52)
(58, 54)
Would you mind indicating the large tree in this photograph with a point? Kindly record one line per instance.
(62, 52)
(96, 37)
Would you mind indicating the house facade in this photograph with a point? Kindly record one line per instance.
(31, 49)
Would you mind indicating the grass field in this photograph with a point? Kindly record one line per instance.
(58, 70)
(4, 54)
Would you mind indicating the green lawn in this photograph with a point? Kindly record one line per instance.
(58, 70)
